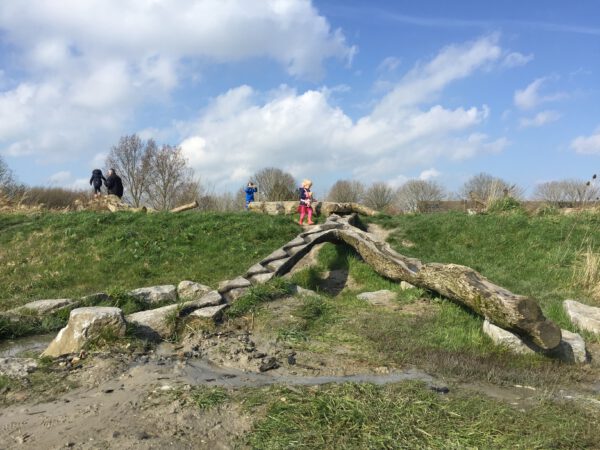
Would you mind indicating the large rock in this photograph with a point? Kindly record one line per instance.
(506, 339)
(190, 290)
(380, 298)
(584, 316)
(158, 323)
(212, 298)
(210, 315)
(43, 307)
(236, 283)
(84, 325)
(156, 294)
(571, 348)
(261, 278)
(231, 290)
(17, 367)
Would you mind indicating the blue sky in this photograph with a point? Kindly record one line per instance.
(326, 89)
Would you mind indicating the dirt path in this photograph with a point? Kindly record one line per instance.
(132, 408)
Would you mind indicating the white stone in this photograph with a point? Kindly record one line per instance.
(212, 298)
(379, 298)
(236, 283)
(261, 278)
(44, 306)
(211, 312)
(505, 338)
(155, 322)
(584, 316)
(156, 294)
(190, 290)
(404, 285)
(86, 324)
(571, 348)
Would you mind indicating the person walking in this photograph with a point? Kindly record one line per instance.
(306, 199)
(96, 181)
(113, 183)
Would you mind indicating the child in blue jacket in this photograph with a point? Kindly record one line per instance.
(250, 190)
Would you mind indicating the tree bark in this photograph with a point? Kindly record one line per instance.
(461, 284)
(185, 207)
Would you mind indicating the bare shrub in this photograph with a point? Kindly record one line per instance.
(485, 189)
(10, 189)
(131, 160)
(566, 191)
(346, 191)
(379, 196)
(275, 185)
(52, 198)
(586, 272)
(411, 195)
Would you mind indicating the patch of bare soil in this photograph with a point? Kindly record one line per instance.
(379, 232)
(124, 409)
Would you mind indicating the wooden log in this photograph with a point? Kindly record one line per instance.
(185, 207)
(461, 284)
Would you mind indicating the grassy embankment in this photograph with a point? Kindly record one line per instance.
(534, 256)
(56, 255)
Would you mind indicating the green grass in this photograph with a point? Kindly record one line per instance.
(410, 416)
(258, 294)
(54, 255)
(426, 331)
(529, 255)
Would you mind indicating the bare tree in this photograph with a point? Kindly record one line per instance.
(485, 188)
(567, 191)
(9, 187)
(379, 196)
(274, 184)
(346, 191)
(189, 191)
(131, 160)
(6, 176)
(168, 176)
(410, 195)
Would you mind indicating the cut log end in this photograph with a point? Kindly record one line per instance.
(546, 334)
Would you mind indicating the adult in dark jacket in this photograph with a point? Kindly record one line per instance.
(96, 181)
(113, 183)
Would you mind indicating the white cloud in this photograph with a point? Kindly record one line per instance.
(540, 119)
(289, 31)
(587, 145)
(59, 178)
(304, 133)
(389, 64)
(516, 59)
(86, 66)
(429, 174)
(425, 81)
(530, 97)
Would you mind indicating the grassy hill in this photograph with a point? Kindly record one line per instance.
(56, 255)
(496, 399)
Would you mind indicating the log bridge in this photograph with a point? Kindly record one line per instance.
(517, 313)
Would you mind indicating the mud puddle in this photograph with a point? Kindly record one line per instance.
(25, 346)
(203, 372)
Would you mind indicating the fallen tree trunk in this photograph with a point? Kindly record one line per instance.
(464, 285)
(185, 207)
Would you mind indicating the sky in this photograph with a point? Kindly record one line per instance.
(378, 90)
